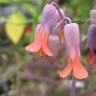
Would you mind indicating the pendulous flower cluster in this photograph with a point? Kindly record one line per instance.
(54, 30)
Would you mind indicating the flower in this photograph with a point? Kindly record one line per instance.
(91, 40)
(71, 35)
(40, 44)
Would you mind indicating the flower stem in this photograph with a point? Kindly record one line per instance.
(73, 89)
(56, 6)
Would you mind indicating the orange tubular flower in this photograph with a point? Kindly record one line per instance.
(40, 43)
(71, 34)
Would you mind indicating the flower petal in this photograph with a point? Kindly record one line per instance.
(54, 45)
(57, 15)
(66, 71)
(72, 52)
(71, 35)
(48, 16)
(79, 71)
(37, 30)
(45, 45)
(36, 45)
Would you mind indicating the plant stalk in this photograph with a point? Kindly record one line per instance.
(73, 88)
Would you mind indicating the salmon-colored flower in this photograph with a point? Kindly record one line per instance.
(71, 35)
(40, 43)
(48, 17)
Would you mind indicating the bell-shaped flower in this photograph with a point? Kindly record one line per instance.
(91, 41)
(72, 40)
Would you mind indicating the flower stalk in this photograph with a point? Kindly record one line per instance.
(73, 88)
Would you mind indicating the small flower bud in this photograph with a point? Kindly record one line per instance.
(48, 16)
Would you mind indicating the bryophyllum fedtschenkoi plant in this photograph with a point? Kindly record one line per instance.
(49, 31)
(72, 40)
(91, 38)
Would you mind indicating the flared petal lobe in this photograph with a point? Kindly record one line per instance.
(45, 46)
(79, 71)
(67, 69)
(36, 45)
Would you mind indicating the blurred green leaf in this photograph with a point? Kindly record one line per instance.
(15, 26)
